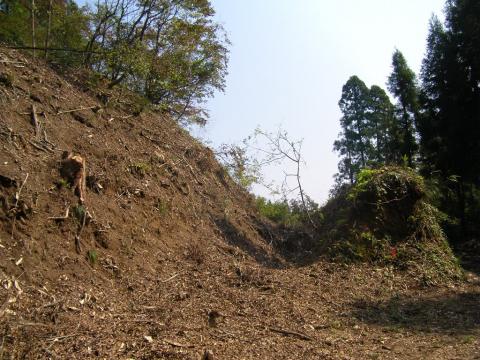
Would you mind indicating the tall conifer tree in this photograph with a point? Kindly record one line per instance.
(402, 84)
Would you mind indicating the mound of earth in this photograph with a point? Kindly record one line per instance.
(166, 257)
(385, 217)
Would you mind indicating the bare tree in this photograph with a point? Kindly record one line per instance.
(275, 148)
(278, 148)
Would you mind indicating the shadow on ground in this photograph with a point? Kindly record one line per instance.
(242, 238)
(469, 258)
(451, 314)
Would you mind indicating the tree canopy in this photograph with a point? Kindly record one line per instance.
(434, 126)
(171, 52)
(368, 132)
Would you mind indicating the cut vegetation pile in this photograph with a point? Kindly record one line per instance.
(386, 218)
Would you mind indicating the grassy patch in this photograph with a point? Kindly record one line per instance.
(92, 256)
(140, 169)
(162, 207)
(62, 183)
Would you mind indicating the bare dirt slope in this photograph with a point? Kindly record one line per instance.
(173, 259)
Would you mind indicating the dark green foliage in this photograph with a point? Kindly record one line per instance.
(290, 214)
(449, 123)
(354, 142)
(383, 127)
(14, 23)
(68, 26)
(80, 213)
(402, 84)
(369, 132)
(277, 211)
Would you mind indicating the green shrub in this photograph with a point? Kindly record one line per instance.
(62, 183)
(140, 168)
(277, 211)
(92, 256)
(79, 211)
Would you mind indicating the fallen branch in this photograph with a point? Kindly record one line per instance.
(191, 171)
(58, 338)
(55, 303)
(12, 62)
(35, 121)
(176, 344)
(45, 139)
(79, 109)
(64, 217)
(19, 192)
(170, 278)
(291, 333)
(40, 147)
(31, 324)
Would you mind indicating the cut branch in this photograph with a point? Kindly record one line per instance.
(35, 121)
(291, 333)
(79, 109)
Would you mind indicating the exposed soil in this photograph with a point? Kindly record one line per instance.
(173, 259)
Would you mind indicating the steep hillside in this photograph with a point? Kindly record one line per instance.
(167, 257)
(149, 184)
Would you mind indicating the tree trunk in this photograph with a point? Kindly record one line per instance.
(49, 29)
(32, 15)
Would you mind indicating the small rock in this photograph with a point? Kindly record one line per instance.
(182, 295)
(148, 338)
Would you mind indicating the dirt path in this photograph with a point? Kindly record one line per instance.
(245, 311)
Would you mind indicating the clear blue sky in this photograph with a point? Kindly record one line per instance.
(290, 58)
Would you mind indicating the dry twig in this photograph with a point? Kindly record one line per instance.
(170, 278)
(64, 217)
(73, 110)
(290, 333)
(15, 207)
(19, 192)
(78, 245)
(39, 147)
(35, 122)
(176, 344)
